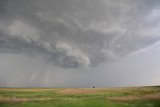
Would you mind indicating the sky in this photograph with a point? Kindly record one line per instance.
(79, 43)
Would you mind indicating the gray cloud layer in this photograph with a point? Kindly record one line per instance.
(78, 33)
(84, 32)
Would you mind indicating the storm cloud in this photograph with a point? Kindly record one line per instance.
(76, 35)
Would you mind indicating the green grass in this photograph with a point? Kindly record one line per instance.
(63, 97)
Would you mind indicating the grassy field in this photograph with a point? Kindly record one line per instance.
(80, 97)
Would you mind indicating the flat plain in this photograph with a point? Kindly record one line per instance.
(80, 97)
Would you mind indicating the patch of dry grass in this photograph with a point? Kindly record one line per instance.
(78, 91)
(135, 98)
(18, 100)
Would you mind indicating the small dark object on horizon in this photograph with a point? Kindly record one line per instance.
(93, 86)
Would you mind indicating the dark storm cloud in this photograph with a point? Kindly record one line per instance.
(73, 33)
(19, 45)
(41, 39)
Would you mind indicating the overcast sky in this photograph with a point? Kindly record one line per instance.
(79, 43)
